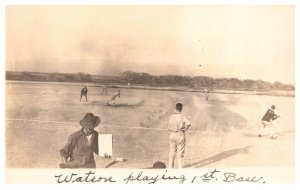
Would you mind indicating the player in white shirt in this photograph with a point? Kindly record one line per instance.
(178, 125)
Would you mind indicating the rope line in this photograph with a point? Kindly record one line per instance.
(73, 123)
(105, 125)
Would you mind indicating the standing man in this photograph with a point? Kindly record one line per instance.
(81, 146)
(267, 121)
(104, 90)
(178, 125)
(84, 92)
(113, 98)
(206, 93)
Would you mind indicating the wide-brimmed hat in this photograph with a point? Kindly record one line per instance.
(90, 121)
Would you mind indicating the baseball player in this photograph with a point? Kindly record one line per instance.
(177, 126)
(113, 98)
(104, 90)
(206, 92)
(268, 121)
(84, 92)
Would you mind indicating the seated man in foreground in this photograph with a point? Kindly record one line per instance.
(81, 146)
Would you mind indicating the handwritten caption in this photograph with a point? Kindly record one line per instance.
(164, 176)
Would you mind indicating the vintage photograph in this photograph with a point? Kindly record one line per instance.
(150, 87)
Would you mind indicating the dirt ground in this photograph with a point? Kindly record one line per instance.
(40, 117)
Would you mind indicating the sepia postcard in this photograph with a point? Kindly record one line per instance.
(150, 94)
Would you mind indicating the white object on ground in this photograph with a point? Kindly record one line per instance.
(119, 159)
(105, 144)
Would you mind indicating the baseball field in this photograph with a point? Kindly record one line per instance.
(41, 116)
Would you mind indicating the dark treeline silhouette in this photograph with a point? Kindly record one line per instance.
(199, 82)
(136, 78)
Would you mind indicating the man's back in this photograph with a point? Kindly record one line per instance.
(177, 122)
(177, 126)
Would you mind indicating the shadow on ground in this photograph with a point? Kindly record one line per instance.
(141, 103)
(224, 117)
(255, 135)
(251, 135)
(218, 157)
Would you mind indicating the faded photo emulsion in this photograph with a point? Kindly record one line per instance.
(150, 94)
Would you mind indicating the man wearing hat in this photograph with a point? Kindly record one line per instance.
(81, 146)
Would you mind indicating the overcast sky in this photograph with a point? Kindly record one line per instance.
(246, 42)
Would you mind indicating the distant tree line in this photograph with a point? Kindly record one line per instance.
(199, 82)
(57, 77)
(136, 78)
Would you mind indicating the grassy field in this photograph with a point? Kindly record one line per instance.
(40, 117)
